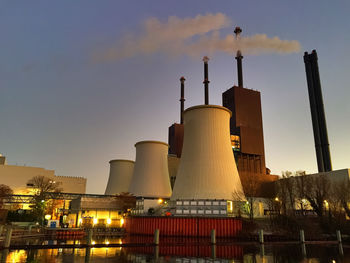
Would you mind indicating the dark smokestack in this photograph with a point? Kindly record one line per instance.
(321, 115)
(239, 68)
(314, 115)
(239, 58)
(182, 99)
(206, 81)
(317, 112)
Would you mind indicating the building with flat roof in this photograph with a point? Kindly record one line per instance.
(17, 177)
(246, 129)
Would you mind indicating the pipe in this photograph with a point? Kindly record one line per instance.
(182, 99)
(239, 58)
(206, 80)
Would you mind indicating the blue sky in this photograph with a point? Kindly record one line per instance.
(62, 110)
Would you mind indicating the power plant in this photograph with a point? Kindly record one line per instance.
(214, 156)
(210, 151)
(207, 181)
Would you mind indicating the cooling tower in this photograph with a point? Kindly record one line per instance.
(207, 168)
(151, 175)
(120, 174)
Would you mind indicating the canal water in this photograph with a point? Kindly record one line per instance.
(189, 252)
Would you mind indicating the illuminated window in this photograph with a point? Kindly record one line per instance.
(229, 206)
(235, 142)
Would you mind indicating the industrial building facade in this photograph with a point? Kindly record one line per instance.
(246, 129)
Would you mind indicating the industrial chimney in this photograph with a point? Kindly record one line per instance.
(317, 112)
(207, 168)
(239, 58)
(206, 80)
(182, 99)
(120, 174)
(151, 175)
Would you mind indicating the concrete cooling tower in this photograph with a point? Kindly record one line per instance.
(207, 168)
(151, 175)
(120, 174)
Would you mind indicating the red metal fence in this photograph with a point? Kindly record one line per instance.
(183, 226)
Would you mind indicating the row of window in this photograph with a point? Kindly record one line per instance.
(200, 212)
(216, 203)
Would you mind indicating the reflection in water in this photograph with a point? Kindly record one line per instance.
(184, 253)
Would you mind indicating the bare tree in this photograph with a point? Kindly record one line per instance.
(252, 187)
(41, 187)
(341, 196)
(315, 189)
(286, 192)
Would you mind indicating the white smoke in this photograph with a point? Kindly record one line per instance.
(192, 36)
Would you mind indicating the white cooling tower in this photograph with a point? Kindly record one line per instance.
(151, 175)
(207, 168)
(120, 174)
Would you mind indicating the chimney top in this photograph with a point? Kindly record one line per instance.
(205, 59)
(237, 30)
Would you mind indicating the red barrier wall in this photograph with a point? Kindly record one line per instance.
(183, 226)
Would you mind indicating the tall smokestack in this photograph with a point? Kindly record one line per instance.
(182, 99)
(239, 58)
(317, 112)
(314, 117)
(206, 80)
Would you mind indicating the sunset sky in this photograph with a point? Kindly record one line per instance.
(82, 81)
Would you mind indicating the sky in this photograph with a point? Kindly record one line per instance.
(82, 81)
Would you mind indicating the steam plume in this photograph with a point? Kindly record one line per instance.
(193, 37)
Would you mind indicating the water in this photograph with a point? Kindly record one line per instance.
(184, 253)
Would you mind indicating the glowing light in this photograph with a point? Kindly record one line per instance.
(16, 256)
(93, 242)
(47, 217)
(303, 200)
(42, 201)
(109, 221)
(276, 199)
(160, 200)
(230, 206)
(122, 221)
(326, 204)
(107, 242)
(95, 221)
